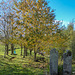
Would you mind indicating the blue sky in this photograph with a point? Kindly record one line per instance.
(64, 9)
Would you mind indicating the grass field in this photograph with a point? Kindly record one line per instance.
(19, 65)
(23, 66)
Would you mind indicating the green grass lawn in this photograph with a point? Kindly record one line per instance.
(23, 66)
(19, 65)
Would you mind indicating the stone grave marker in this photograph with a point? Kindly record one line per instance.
(67, 63)
(53, 62)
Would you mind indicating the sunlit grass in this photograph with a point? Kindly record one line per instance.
(19, 65)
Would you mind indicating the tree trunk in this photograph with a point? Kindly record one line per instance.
(21, 49)
(30, 52)
(34, 56)
(12, 49)
(7, 48)
(5, 51)
(34, 53)
(24, 52)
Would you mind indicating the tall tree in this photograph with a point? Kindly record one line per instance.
(4, 27)
(37, 19)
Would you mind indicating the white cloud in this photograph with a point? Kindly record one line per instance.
(65, 22)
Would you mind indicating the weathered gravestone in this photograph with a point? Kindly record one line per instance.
(53, 62)
(67, 63)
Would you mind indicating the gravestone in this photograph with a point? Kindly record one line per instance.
(53, 62)
(67, 63)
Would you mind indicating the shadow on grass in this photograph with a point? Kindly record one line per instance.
(13, 69)
(17, 68)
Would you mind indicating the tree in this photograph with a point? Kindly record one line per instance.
(37, 19)
(4, 25)
(71, 41)
(7, 27)
(73, 45)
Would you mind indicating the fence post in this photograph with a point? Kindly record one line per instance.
(67, 63)
(53, 62)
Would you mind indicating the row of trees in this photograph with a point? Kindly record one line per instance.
(31, 24)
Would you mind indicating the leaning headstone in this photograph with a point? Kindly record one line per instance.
(53, 62)
(67, 63)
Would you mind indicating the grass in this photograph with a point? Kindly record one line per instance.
(73, 68)
(24, 66)
(19, 65)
